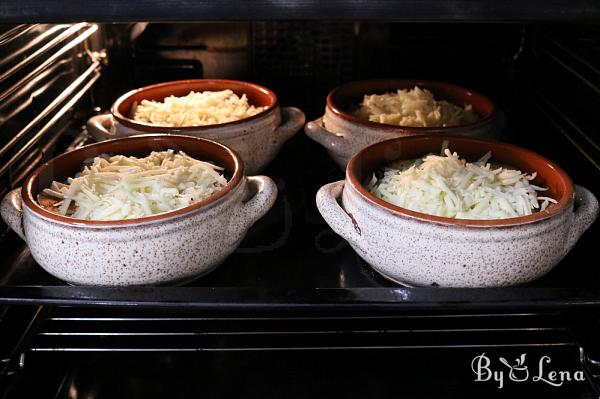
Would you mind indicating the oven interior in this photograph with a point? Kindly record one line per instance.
(53, 77)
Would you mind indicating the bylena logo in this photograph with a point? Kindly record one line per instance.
(518, 371)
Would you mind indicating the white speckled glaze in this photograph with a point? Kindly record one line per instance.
(414, 250)
(420, 253)
(344, 137)
(166, 250)
(257, 141)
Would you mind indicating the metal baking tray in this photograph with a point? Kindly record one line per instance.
(292, 260)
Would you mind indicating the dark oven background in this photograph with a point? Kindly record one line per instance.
(545, 78)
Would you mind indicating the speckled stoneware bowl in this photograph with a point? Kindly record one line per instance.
(167, 248)
(256, 139)
(344, 134)
(422, 250)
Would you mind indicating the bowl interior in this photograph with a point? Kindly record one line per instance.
(373, 158)
(257, 95)
(68, 164)
(346, 98)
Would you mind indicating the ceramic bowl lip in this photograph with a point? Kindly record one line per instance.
(219, 83)
(552, 210)
(338, 110)
(32, 204)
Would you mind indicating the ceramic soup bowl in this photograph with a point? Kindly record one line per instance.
(166, 248)
(422, 250)
(344, 134)
(257, 139)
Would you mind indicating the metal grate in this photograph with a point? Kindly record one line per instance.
(304, 50)
(69, 329)
(566, 64)
(307, 58)
(93, 348)
(45, 70)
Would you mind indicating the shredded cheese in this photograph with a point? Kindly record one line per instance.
(416, 107)
(451, 187)
(196, 109)
(120, 187)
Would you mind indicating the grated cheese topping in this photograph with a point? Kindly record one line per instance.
(196, 109)
(416, 107)
(120, 187)
(448, 186)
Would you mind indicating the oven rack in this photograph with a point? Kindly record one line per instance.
(76, 329)
(574, 59)
(64, 329)
(60, 333)
(46, 71)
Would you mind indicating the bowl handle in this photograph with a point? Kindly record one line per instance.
(292, 120)
(336, 217)
(316, 131)
(12, 211)
(101, 127)
(584, 215)
(265, 193)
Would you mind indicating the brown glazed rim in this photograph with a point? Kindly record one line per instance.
(220, 84)
(27, 191)
(338, 109)
(552, 210)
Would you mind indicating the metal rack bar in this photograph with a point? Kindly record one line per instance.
(49, 60)
(41, 51)
(138, 332)
(557, 115)
(17, 326)
(15, 32)
(573, 71)
(307, 348)
(572, 55)
(36, 157)
(297, 318)
(68, 93)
